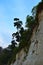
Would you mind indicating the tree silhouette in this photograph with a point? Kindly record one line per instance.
(13, 43)
(42, 0)
(18, 23)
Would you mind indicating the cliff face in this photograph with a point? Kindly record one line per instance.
(35, 56)
(35, 53)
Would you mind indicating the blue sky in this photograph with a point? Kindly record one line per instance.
(9, 9)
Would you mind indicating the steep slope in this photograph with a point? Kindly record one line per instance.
(35, 53)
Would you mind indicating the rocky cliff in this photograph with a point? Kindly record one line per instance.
(35, 53)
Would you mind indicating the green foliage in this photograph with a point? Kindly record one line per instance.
(37, 9)
(18, 23)
(30, 23)
(4, 57)
(17, 35)
(23, 36)
(16, 19)
(13, 57)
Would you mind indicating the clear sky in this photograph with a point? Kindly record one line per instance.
(9, 9)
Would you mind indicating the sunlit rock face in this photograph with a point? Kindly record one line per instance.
(35, 53)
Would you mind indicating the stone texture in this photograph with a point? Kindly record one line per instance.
(35, 53)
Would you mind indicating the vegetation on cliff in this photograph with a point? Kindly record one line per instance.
(21, 37)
